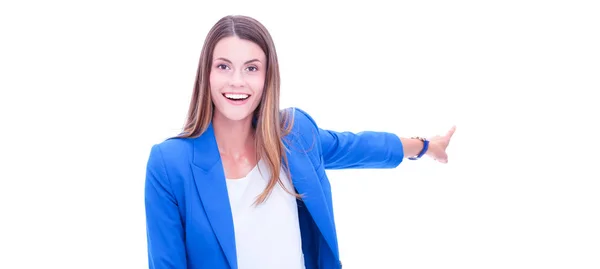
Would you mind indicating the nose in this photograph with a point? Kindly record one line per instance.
(236, 80)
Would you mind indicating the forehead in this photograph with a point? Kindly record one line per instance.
(238, 50)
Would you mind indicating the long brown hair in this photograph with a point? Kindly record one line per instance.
(271, 125)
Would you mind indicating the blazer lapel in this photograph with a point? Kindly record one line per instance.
(212, 188)
(306, 182)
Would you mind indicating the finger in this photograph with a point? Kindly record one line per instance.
(451, 131)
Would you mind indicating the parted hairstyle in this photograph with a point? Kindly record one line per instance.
(270, 125)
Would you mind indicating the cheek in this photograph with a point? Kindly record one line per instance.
(215, 85)
(257, 83)
(215, 81)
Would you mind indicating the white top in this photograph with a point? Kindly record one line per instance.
(267, 236)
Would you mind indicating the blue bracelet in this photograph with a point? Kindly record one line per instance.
(423, 151)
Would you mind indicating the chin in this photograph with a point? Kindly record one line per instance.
(234, 113)
(237, 116)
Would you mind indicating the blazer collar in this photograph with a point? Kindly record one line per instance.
(206, 152)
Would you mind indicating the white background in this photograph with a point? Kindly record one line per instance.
(87, 87)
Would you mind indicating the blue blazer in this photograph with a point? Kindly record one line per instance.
(188, 216)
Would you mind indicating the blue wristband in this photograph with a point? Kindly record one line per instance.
(423, 151)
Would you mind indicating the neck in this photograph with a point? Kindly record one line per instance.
(235, 139)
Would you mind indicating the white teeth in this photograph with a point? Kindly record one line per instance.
(236, 96)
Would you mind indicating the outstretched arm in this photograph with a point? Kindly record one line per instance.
(164, 230)
(371, 149)
(360, 150)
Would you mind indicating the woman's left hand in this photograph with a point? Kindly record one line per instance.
(438, 145)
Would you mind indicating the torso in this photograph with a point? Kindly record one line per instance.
(268, 235)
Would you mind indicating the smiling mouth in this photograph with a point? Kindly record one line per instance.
(236, 96)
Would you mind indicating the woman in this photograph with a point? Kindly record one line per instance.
(244, 185)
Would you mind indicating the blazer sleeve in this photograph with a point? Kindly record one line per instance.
(164, 230)
(367, 149)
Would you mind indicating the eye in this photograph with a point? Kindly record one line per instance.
(252, 68)
(222, 67)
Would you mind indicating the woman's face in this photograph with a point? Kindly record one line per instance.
(237, 78)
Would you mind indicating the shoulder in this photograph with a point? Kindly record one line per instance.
(300, 119)
(304, 133)
(171, 150)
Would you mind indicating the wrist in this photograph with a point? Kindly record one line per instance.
(424, 148)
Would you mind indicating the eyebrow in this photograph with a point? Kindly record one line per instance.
(247, 62)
